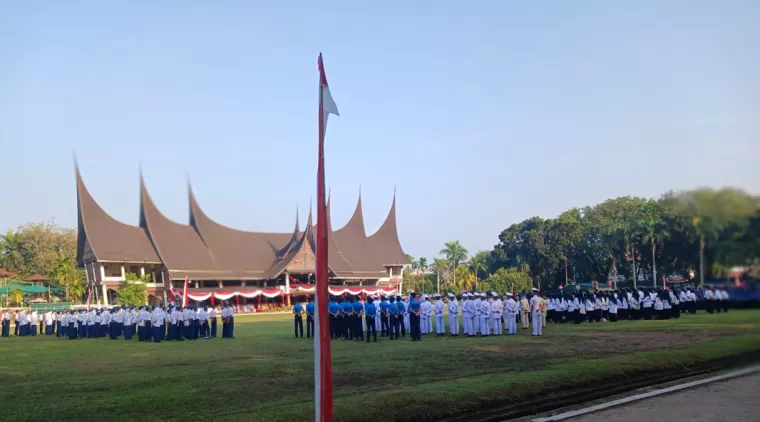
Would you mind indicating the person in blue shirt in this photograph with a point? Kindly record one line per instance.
(370, 312)
(414, 318)
(298, 325)
(358, 316)
(384, 318)
(394, 318)
(347, 311)
(310, 318)
(334, 310)
(403, 315)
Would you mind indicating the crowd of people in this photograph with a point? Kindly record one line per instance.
(483, 314)
(148, 323)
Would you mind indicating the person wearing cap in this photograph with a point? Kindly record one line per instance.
(536, 309)
(127, 324)
(453, 315)
(403, 314)
(310, 317)
(385, 316)
(394, 318)
(512, 309)
(72, 330)
(438, 308)
(370, 313)
(484, 315)
(425, 307)
(466, 313)
(157, 318)
(476, 309)
(414, 318)
(333, 308)
(524, 311)
(497, 308)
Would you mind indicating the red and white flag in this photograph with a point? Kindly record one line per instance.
(322, 356)
(184, 292)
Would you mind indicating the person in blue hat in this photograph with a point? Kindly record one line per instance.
(394, 318)
(370, 312)
(333, 307)
(414, 318)
(310, 317)
(298, 320)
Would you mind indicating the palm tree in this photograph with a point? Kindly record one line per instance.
(412, 260)
(649, 224)
(441, 268)
(422, 263)
(454, 253)
(11, 254)
(478, 263)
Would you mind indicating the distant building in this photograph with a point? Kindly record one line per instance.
(225, 263)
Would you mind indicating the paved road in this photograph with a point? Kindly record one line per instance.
(735, 400)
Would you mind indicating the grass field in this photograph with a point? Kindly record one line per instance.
(265, 374)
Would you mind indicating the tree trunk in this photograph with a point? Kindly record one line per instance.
(654, 265)
(701, 260)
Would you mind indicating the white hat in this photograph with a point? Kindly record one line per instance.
(508, 294)
(451, 294)
(534, 289)
(436, 295)
(494, 294)
(482, 294)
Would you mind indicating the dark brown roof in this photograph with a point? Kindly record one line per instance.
(355, 248)
(36, 277)
(385, 243)
(246, 254)
(179, 246)
(108, 239)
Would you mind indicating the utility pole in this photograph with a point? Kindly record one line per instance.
(633, 262)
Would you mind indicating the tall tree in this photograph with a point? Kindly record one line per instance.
(649, 223)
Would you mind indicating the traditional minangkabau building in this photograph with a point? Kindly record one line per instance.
(224, 263)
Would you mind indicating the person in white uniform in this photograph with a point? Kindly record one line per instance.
(466, 313)
(497, 308)
(438, 308)
(512, 309)
(453, 315)
(536, 309)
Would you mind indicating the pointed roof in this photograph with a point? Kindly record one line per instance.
(356, 249)
(106, 238)
(179, 246)
(247, 254)
(385, 243)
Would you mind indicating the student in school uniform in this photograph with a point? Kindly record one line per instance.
(72, 330)
(466, 313)
(203, 321)
(157, 318)
(591, 308)
(612, 307)
(33, 321)
(5, 320)
(378, 315)
(497, 309)
(512, 309)
(127, 324)
(212, 321)
(536, 306)
(675, 303)
(581, 308)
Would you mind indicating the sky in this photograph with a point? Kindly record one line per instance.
(479, 114)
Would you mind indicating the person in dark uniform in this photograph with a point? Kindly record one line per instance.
(414, 318)
(347, 311)
(298, 321)
(370, 312)
(384, 316)
(334, 309)
(394, 318)
(358, 316)
(310, 318)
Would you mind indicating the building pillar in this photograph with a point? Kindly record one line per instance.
(123, 273)
(142, 270)
(102, 273)
(287, 283)
(105, 293)
(221, 284)
(195, 283)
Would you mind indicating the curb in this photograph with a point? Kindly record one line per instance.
(642, 396)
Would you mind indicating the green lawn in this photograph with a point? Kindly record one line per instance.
(265, 374)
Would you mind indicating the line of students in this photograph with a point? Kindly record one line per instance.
(149, 323)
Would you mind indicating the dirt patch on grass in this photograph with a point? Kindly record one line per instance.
(623, 342)
(492, 349)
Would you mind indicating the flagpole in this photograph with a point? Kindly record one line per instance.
(322, 354)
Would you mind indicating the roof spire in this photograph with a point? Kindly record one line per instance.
(298, 227)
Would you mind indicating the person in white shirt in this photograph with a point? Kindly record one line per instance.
(438, 309)
(5, 323)
(228, 321)
(497, 308)
(33, 323)
(466, 313)
(512, 310)
(203, 319)
(425, 308)
(612, 307)
(73, 327)
(48, 323)
(157, 318)
(453, 306)
(23, 324)
(128, 327)
(536, 309)
(187, 322)
(484, 315)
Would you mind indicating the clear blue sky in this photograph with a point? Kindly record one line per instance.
(481, 113)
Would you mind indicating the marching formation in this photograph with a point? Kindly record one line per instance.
(147, 323)
(481, 314)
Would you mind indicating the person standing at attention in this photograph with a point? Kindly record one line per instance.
(310, 318)
(212, 318)
(438, 308)
(524, 310)
(453, 315)
(370, 312)
(512, 310)
(5, 319)
(298, 319)
(536, 308)
(414, 318)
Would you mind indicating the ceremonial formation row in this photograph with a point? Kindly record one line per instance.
(484, 314)
(149, 323)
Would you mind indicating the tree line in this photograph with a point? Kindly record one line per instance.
(698, 234)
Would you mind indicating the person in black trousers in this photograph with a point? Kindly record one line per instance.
(414, 318)
(310, 318)
(298, 324)
(370, 313)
